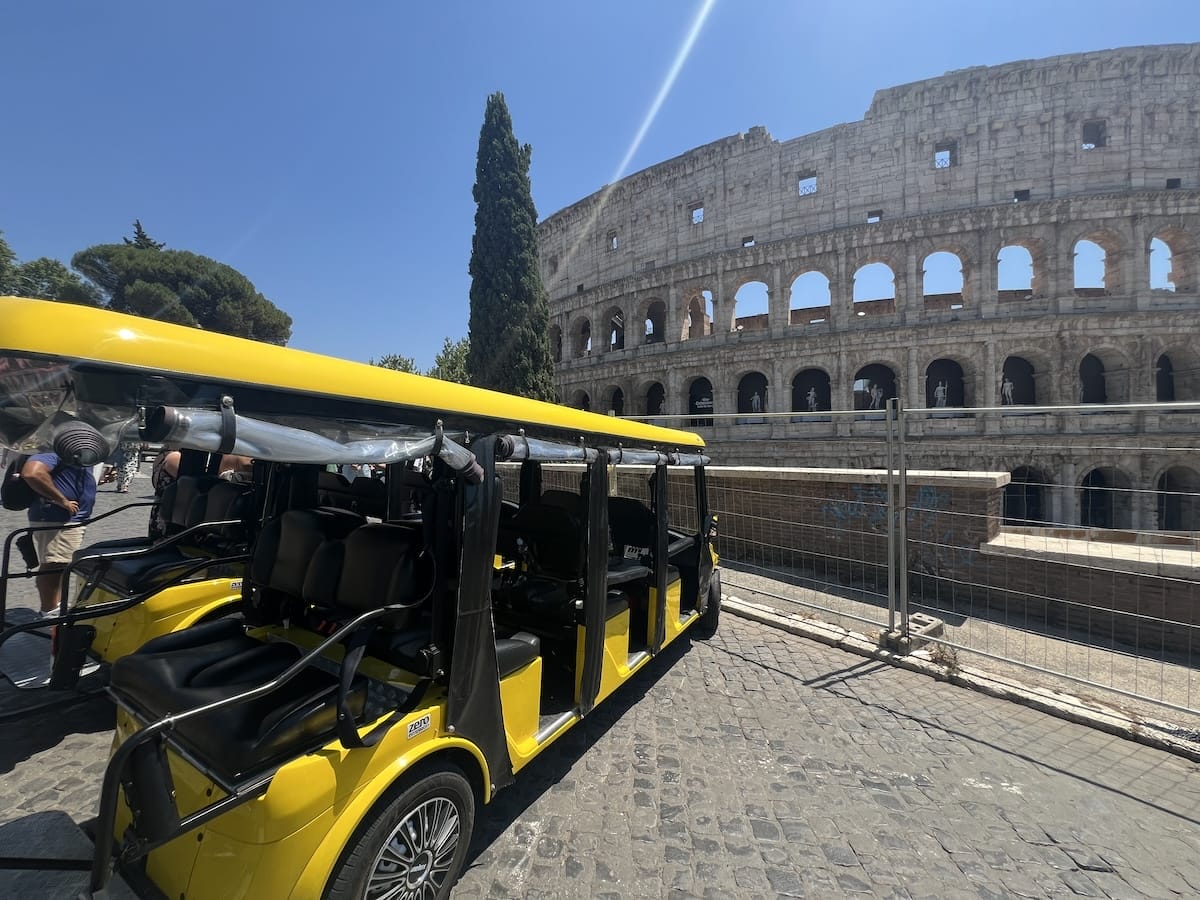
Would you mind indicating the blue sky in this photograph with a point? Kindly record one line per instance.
(327, 151)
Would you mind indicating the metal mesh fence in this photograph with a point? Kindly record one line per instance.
(1075, 576)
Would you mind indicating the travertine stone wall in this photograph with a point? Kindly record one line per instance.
(639, 250)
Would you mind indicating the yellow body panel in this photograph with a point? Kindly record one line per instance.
(615, 668)
(289, 839)
(520, 696)
(169, 610)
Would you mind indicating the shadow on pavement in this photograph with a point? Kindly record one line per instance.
(67, 713)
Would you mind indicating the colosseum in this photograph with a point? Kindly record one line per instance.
(1021, 235)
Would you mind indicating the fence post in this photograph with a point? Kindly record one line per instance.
(891, 514)
(902, 520)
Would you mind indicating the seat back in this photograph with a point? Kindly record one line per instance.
(224, 501)
(333, 489)
(368, 497)
(375, 565)
(631, 527)
(283, 553)
(555, 538)
(183, 501)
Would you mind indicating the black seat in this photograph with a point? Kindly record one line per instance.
(175, 506)
(155, 565)
(368, 497)
(631, 527)
(554, 539)
(215, 660)
(516, 652)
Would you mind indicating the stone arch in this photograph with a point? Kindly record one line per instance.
(752, 396)
(581, 337)
(1106, 498)
(811, 391)
(945, 384)
(581, 400)
(1025, 496)
(556, 343)
(1103, 377)
(1175, 263)
(654, 399)
(1098, 262)
(700, 400)
(1177, 495)
(614, 400)
(655, 319)
(751, 306)
(874, 289)
(809, 298)
(697, 315)
(943, 280)
(614, 328)
(1022, 264)
(874, 385)
(1177, 374)
(1018, 382)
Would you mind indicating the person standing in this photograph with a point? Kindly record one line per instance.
(127, 464)
(66, 493)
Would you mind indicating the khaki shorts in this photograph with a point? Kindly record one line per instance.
(55, 548)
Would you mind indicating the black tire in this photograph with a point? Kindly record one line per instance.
(707, 626)
(381, 842)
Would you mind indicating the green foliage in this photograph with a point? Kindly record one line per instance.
(178, 286)
(396, 362)
(48, 279)
(451, 363)
(510, 312)
(8, 261)
(141, 240)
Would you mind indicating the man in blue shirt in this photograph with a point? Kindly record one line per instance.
(66, 491)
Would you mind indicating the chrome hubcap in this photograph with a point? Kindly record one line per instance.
(415, 859)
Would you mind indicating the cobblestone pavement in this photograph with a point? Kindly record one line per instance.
(763, 765)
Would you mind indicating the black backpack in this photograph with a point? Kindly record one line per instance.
(14, 492)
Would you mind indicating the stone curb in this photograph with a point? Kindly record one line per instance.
(1064, 706)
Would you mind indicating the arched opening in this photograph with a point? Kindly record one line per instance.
(1093, 386)
(582, 338)
(1164, 380)
(942, 281)
(615, 403)
(615, 328)
(874, 289)
(700, 402)
(699, 319)
(556, 342)
(874, 385)
(751, 307)
(656, 322)
(944, 384)
(752, 397)
(656, 400)
(1104, 500)
(810, 299)
(1014, 273)
(1091, 269)
(1160, 266)
(581, 400)
(1173, 261)
(811, 391)
(1178, 491)
(1018, 387)
(1024, 496)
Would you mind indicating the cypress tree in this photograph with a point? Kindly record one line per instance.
(510, 312)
